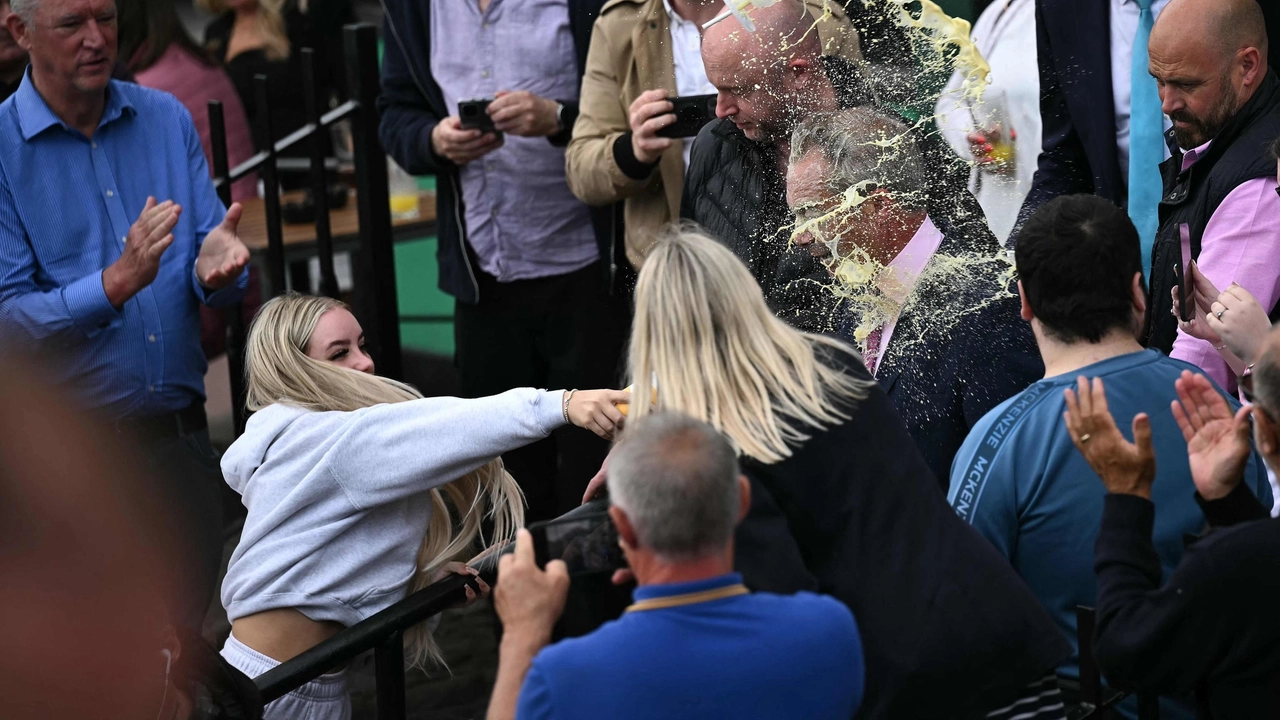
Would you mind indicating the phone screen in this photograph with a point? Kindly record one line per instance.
(586, 544)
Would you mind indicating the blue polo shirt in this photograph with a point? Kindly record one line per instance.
(66, 205)
(756, 655)
(1022, 484)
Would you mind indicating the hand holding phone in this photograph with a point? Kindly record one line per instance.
(692, 112)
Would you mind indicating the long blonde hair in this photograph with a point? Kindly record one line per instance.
(704, 337)
(271, 25)
(279, 371)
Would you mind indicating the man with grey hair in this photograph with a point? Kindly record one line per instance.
(1211, 630)
(936, 321)
(696, 643)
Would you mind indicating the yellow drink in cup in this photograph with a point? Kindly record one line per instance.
(404, 206)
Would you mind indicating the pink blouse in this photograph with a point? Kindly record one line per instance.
(194, 83)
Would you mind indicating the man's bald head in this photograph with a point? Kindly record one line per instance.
(1208, 58)
(784, 30)
(769, 78)
(1225, 25)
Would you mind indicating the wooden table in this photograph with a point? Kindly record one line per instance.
(300, 238)
(344, 224)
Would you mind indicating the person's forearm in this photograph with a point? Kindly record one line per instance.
(1240, 505)
(514, 658)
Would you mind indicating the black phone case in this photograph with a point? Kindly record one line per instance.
(692, 112)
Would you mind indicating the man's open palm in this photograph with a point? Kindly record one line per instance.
(1217, 439)
(222, 256)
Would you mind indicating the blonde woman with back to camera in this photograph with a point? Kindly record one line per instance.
(350, 480)
(841, 500)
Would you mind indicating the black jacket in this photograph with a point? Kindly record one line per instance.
(948, 629)
(1239, 153)
(1078, 112)
(943, 376)
(412, 104)
(1212, 630)
(734, 190)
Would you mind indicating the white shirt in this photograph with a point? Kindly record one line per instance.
(1124, 25)
(686, 50)
(1005, 34)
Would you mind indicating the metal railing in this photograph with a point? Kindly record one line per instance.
(383, 633)
(375, 302)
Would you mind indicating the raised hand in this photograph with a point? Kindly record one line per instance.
(1125, 468)
(1217, 440)
(138, 265)
(648, 114)
(222, 256)
(595, 410)
(1240, 320)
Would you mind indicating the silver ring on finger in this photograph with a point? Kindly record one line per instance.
(1218, 314)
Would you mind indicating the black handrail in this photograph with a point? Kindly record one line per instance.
(375, 301)
(384, 634)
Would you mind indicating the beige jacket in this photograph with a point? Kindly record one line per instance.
(631, 53)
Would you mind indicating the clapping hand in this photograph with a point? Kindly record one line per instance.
(139, 263)
(1125, 468)
(1217, 440)
(222, 255)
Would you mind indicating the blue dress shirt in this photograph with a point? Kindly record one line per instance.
(66, 205)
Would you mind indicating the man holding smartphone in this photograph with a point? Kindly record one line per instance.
(643, 54)
(517, 250)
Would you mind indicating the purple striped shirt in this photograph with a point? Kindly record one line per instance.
(521, 219)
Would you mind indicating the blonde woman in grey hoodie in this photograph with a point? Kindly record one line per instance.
(350, 479)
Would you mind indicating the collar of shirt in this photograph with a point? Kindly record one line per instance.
(35, 116)
(649, 592)
(899, 278)
(1189, 157)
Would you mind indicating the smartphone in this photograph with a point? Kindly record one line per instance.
(587, 543)
(474, 114)
(1185, 311)
(692, 112)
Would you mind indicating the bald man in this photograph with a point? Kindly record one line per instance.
(1219, 205)
(766, 82)
(1211, 631)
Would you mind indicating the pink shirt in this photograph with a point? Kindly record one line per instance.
(194, 83)
(1241, 244)
(903, 271)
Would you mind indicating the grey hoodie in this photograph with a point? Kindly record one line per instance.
(338, 501)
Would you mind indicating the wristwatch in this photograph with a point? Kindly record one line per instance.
(559, 117)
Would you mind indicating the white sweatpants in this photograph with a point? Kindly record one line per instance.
(324, 698)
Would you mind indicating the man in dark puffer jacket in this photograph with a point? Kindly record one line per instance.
(735, 186)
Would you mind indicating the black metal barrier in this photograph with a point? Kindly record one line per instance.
(384, 634)
(375, 300)
(1097, 702)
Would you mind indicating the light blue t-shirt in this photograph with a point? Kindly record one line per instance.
(750, 656)
(1020, 482)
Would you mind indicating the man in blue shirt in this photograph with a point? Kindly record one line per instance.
(696, 643)
(111, 235)
(1018, 479)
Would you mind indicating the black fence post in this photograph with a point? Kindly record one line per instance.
(319, 177)
(388, 662)
(376, 302)
(234, 315)
(271, 192)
